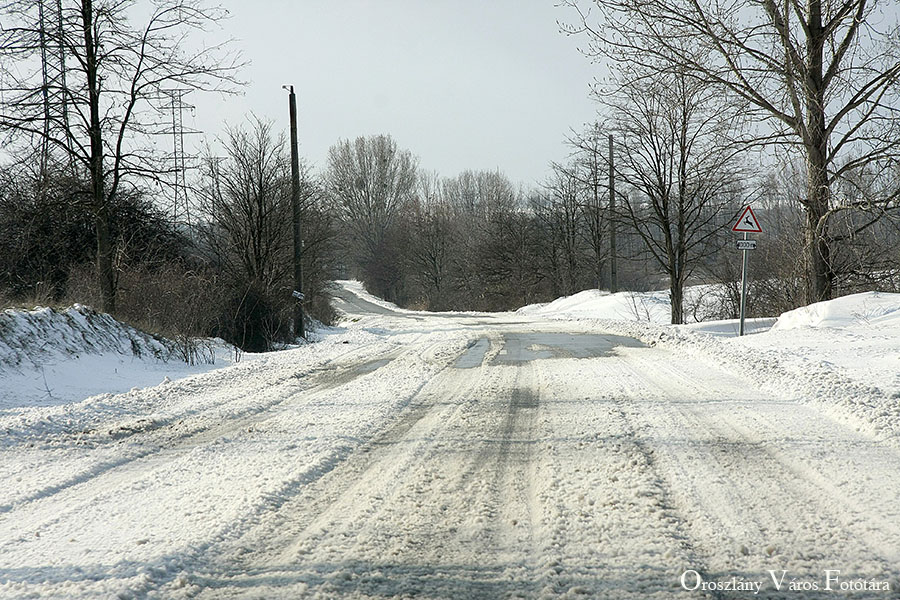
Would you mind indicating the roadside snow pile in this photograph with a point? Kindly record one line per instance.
(648, 307)
(871, 308)
(50, 357)
(357, 288)
(599, 304)
(30, 338)
(844, 352)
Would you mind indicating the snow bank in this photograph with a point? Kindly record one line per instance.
(649, 307)
(599, 304)
(852, 372)
(843, 354)
(357, 287)
(869, 308)
(50, 357)
(31, 337)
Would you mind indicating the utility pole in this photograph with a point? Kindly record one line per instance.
(299, 330)
(613, 272)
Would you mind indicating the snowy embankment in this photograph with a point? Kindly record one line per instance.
(50, 357)
(843, 354)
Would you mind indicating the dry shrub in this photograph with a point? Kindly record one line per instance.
(175, 301)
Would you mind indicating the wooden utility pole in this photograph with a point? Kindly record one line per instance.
(613, 272)
(299, 329)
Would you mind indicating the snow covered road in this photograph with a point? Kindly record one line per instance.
(448, 456)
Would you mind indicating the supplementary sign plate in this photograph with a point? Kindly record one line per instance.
(746, 244)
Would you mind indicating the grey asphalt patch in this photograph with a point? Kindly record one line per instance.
(474, 354)
(523, 347)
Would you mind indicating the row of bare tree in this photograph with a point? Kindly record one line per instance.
(790, 106)
(681, 176)
(476, 242)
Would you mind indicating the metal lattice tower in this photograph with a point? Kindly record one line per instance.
(180, 162)
(54, 89)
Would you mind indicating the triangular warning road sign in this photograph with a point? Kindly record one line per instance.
(747, 222)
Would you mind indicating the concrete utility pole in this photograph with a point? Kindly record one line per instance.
(613, 272)
(299, 329)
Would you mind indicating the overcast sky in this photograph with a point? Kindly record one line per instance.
(462, 84)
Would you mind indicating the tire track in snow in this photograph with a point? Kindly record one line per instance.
(663, 494)
(462, 472)
(752, 508)
(99, 485)
(608, 528)
(165, 438)
(155, 470)
(855, 471)
(142, 441)
(337, 524)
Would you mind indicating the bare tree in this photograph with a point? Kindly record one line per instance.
(509, 260)
(822, 76)
(590, 148)
(432, 248)
(371, 179)
(779, 285)
(483, 205)
(108, 74)
(245, 197)
(675, 154)
(559, 210)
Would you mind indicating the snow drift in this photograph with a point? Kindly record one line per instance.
(869, 308)
(52, 357)
(31, 338)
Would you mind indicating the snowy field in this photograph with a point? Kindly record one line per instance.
(580, 449)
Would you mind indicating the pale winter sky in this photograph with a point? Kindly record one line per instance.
(462, 84)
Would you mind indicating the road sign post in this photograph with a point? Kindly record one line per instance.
(746, 223)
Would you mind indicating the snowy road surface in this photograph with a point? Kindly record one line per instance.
(450, 456)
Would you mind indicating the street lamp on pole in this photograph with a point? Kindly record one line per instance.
(299, 329)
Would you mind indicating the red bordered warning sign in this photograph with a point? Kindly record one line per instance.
(747, 223)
